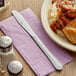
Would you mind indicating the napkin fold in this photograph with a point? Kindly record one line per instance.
(28, 49)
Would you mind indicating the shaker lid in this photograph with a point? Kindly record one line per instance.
(14, 67)
(5, 41)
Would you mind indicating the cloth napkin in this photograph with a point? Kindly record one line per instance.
(28, 49)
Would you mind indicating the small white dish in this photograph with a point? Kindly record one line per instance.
(59, 40)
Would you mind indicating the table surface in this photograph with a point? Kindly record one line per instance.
(35, 5)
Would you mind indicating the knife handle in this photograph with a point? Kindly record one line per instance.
(50, 56)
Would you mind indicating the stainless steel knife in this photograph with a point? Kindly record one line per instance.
(20, 19)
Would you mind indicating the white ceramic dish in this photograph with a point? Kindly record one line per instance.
(59, 40)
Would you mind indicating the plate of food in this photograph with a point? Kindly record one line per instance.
(59, 22)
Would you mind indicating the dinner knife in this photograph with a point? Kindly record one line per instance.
(24, 24)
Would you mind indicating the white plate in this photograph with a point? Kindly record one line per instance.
(59, 40)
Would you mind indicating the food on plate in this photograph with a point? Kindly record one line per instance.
(71, 34)
(62, 19)
(68, 8)
(70, 31)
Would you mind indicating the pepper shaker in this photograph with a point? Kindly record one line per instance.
(6, 51)
(15, 68)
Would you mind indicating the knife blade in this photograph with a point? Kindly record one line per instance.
(24, 24)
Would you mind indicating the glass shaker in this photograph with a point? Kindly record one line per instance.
(6, 52)
(15, 68)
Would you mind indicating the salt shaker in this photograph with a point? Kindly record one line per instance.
(15, 68)
(6, 51)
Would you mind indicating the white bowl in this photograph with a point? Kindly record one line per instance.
(59, 40)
